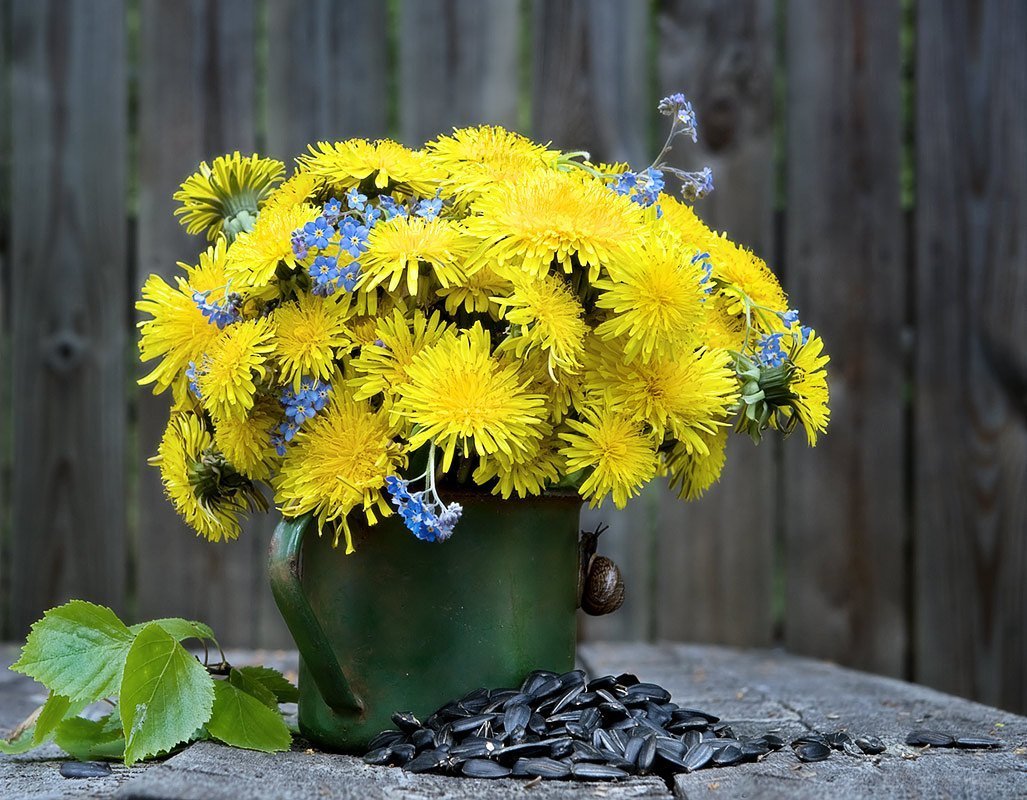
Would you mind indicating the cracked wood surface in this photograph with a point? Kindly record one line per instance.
(757, 691)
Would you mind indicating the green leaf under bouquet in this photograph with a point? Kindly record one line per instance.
(161, 696)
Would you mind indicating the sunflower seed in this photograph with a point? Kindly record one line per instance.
(838, 739)
(85, 769)
(535, 679)
(754, 748)
(428, 760)
(423, 738)
(870, 745)
(516, 716)
(698, 757)
(633, 748)
(406, 722)
(673, 747)
(586, 771)
(378, 757)
(401, 754)
(812, 751)
(560, 748)
(924, 738)
(691, 738)
(727, 756)
(774, 742)
(644, 759)
(511, 753)
(544, 767)
(970, 742)
(567, 698)
(471, 723)
(582, 751)
(483, 768)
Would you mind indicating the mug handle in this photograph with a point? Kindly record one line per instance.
(315, 649)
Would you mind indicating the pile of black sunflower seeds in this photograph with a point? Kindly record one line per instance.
(565, 726)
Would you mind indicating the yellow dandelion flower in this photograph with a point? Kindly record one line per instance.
(739, 269)
(391, 166)
(551, 215)
(362, 329)
(484, 156)
(680, 220)
(691, 471)
(338, 462)
(229, 186)
(656, 297)
(561, 390)
(204, 491)
(177, 331)
(527, 474)
(620, 455)
(547, 316)
(396, 249)
(226, 376)
(690, 394)
(458, 393)
(309, 335)
(246, 441)
(475, 293)
(383, 367)
(301, 187)
(809, 385)
(254, 257)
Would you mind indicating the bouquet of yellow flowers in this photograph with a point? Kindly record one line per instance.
(491, 310)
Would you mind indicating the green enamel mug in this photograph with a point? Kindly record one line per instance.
(407, 625)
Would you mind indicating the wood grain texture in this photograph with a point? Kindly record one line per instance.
(196, 101)
(971, 362)
(591, 91)
(722, 57)
(5, 378)
(68, 305)
(458, 65)
(844, 501)
(590, 83)
(326, 75)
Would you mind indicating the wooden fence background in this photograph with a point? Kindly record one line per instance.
(874, 151)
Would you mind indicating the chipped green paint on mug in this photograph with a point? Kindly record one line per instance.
(406, 625)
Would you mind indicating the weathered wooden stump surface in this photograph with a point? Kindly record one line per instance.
(757, 691)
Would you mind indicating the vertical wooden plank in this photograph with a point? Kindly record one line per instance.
(5, 380)
(68, 305)
(723, 57)
(971, 365)
(591, 86)
(844, 501)
(326, 73)
(591, 90)
(196, 101)
(457, 65)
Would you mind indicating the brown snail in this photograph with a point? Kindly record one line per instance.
(600, 585)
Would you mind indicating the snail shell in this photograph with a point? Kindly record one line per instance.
(603, 587)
